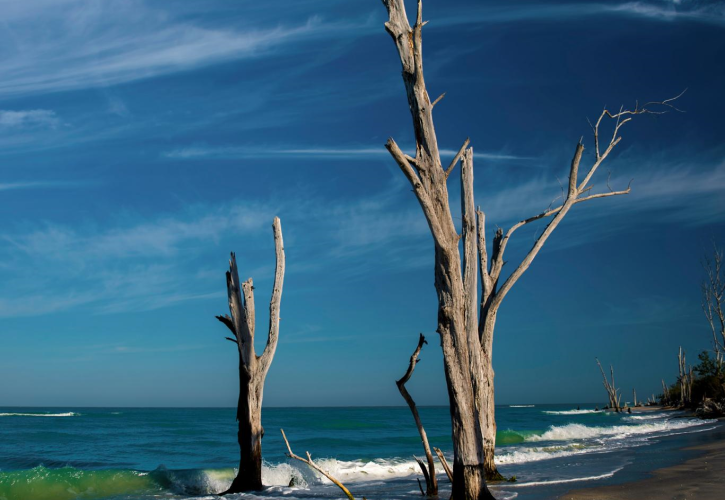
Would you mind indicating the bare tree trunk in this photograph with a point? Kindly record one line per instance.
(252, 368)
(684, 397)
(466, 326)
(431, 483)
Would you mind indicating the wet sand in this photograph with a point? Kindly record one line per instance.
(700, 478)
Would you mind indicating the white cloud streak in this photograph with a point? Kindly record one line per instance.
(164, 261)
(28, 118)
(82, 44)
(79, 44)
(359, 153)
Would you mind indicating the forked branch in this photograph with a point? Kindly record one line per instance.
(576, 189)
(316, 467)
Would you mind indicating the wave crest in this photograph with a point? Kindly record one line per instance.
(68, 414)
(572, 432)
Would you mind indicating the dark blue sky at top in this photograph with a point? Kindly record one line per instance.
(140, 142)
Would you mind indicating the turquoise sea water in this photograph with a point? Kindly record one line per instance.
(125, 453)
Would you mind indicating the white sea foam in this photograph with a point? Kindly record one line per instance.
(524, 455)
(351, 471)
(521, 406)
(69, 414)
(573, 412)
(652, 416)
(571, 480)
(571, 432)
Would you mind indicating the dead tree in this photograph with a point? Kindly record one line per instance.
(316, 467)
(612, 392)
(665, 394)
(465, 324)
(252, 368)
(686, 378)
(429, 473)
(713, 300)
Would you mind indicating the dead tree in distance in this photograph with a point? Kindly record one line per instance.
(614, 397)
(713, 300)
(252, 368)
(665, 394)
(685, 379)
(429, 473)
(465, 324)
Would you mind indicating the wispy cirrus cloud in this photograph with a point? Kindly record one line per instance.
(25, 185)
(79, 44)
(702, 12)
(28, 118)
(87, 44)
(157, 262)
(353, 152)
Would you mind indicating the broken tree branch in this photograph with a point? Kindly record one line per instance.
(316, 467)
(444, 463)
(430, 478)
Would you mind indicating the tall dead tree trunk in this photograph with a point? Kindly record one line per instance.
(465, 324)
(713, 300)
(684, 377)
(252, 368)
(429, 473)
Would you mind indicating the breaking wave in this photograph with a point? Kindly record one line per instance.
(69, 414)
(572, 432)
(571, 480)
(574, 412)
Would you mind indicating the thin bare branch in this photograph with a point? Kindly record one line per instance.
(429, 473)
(316, 467)
(438, 99)
(275, 301)
(457, 157)
(228, 322)
(444, 463)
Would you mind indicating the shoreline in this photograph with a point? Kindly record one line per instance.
(699, 477)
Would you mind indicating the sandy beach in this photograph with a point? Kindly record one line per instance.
(698, 478)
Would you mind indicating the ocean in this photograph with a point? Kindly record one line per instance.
(172, 453)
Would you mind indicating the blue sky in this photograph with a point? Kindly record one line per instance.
(140, 142)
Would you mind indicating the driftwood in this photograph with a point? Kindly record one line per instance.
(429, 473)
(252, 368)
(316, 467)
(615, 399)
(465, 323)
